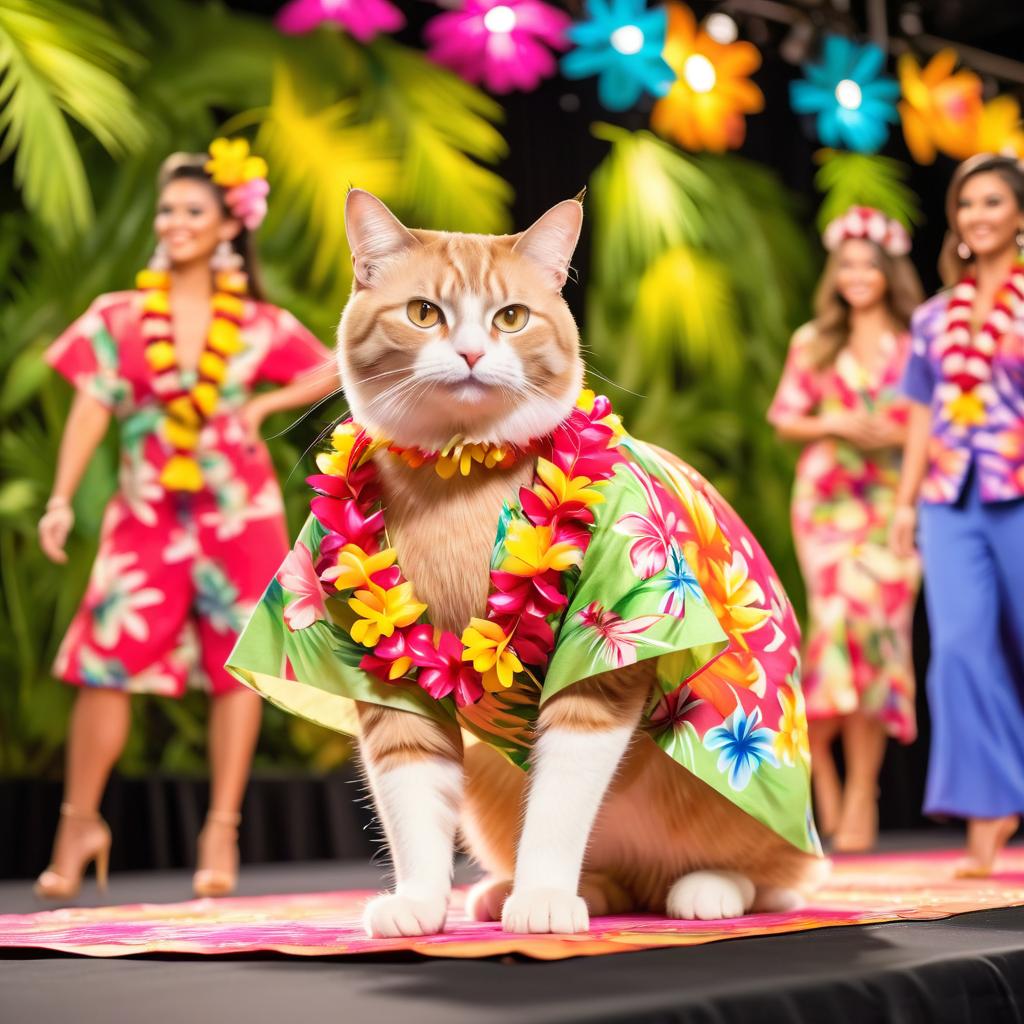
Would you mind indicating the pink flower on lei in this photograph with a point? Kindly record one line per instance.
(298, 576)
(441, 669)
(617, 636)
(502, 44)
(363, 19)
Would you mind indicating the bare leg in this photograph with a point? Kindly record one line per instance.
(864, 742)
(232, 733)
(985, 839)
(828, 792)
(97, 733)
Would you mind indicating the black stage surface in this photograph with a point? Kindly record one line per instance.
(966, 969)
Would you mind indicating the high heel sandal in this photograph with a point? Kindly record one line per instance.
(51, 885)
(213, 881)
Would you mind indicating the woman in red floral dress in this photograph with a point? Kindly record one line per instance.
(839, 397)
(197, 525)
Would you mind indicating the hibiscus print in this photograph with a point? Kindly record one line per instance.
(298, 577)
(614, 636)
(117, 597)
(744, 746)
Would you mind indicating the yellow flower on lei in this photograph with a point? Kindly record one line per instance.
(356, 566)
(531, 552)
(230, 163)
(486, 646)
(335, 463)
(966, 410)
(585, 402)
(382, 611)
(559, 489)
(791, 741)
(458, 456)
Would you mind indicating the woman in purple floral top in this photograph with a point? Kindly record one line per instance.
(964, 462)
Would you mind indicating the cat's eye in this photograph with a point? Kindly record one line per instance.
(424, 314)
(511, 318)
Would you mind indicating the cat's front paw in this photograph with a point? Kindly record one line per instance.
(545, 910)
(710, 896)
(391, 916)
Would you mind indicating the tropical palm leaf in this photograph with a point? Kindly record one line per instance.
(58, 60)
(852, 179)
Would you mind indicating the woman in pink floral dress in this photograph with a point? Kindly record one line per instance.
(197, 525)
(839, 397)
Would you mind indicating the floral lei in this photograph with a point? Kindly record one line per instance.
(527, 590)
(966, 361)
(188, 409)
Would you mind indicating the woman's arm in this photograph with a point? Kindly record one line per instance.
(306, 390)
(915, 465)
(861, 429)
(87, 424)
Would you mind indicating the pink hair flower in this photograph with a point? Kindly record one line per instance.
(504, 45)
(362, 19)
(248, 201)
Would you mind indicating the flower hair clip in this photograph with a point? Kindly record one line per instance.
(243, 178)
(871, 224)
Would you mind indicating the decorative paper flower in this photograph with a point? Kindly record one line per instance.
(712, 92)
(999, 128)
(853, 101)
(502, 44)
(940, 110)
(743, 744)
(363, 19)
(621, 43)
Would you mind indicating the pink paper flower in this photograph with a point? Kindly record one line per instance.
(298, 577)
(617, 636)
(363, 19)
(504, 45)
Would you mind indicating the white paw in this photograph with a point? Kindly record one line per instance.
(545, 910)
(484, 901)
(710, 896)
(391, 915)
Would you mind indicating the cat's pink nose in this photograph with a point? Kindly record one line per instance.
(472, 358)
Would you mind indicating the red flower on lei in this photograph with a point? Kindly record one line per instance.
(527, 589)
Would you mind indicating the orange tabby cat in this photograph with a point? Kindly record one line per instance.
(454, 334)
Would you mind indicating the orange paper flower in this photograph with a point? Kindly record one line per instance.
(940, 110)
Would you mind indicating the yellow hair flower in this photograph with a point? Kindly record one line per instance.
(356, 566)
(531, 552)
(486, 646)
(382, 611)
(231, 164)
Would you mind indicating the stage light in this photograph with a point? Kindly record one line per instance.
(500, 19)
(699, 73)
(848, 94)
(721, 28)
(627, 39)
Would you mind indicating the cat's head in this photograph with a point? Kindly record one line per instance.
(450, 334)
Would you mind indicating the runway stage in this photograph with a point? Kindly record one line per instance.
(968, 967)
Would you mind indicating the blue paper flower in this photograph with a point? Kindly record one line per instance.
(743, 744)
(621, 43)
(854, 102)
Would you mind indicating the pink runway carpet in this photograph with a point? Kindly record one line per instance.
(861, 890)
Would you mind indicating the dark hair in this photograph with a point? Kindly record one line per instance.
(192, 167)
(951, 264)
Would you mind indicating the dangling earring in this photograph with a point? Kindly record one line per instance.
(963, 250)
(1020, 239)
(159, 260)
(225, 258)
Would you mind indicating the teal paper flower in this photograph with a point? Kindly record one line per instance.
(621, 43)
(854, 101)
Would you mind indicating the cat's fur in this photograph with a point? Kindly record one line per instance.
(604, 822)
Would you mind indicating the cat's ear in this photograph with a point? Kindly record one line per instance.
(551, 240)
(375, 235)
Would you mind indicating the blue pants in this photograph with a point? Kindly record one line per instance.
(974, 589)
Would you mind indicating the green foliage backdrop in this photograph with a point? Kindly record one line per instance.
(700, 271)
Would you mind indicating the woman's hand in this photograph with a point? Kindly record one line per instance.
(864, 430)
(54, 528)
(251, 416)
(902, 530)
